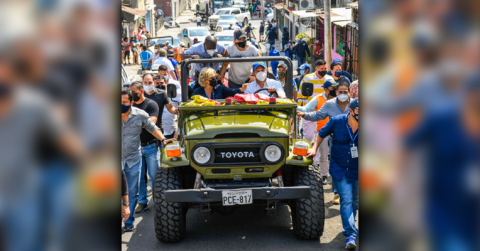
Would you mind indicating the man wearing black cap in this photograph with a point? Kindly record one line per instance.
(344, 166)
(285, 37)
(238, 72)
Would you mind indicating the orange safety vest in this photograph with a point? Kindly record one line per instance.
(179, 51)
(320, 101)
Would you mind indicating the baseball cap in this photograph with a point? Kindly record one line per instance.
(328, 83)
(259, 63)
(304, 66)
(169, 46)
(283, 65)
(253, 40)
(285, 27)
(239, 33)
(261, 22)
(273, 46)
(304, 39)
(336, 61)
(182, 44)
(353, 104)
(249, 23)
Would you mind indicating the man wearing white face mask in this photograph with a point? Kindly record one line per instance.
(208, 49)
(261, 81)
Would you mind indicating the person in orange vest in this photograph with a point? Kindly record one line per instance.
(321, 159)
(180, 51)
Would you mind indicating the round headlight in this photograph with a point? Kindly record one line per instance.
(273, 153)
(201, 155)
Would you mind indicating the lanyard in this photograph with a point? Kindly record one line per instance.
(353, 139)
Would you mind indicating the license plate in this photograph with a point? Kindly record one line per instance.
(237, 197)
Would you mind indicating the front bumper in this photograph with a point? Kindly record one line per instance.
(209, 195)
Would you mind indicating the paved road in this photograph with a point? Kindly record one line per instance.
(249, 228)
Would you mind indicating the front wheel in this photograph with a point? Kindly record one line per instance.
(308, 215)
(170, 222)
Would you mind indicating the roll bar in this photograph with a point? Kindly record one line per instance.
(288, 84)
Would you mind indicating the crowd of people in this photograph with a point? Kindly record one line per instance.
(329, 116)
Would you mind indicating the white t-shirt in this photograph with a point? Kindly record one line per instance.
(164, 61)
(239, 72)
(170, 121)
(199, 19)
(253, 87)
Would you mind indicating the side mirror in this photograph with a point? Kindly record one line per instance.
(307, 89)
(171, 90)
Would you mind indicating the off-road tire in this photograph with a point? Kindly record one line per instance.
(308, 215)
(170, 222)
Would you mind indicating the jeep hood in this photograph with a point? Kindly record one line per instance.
(208, 126)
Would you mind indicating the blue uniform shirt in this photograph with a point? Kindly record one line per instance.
(341, 162)
(145, 57)
(274, 53)
(174, 63)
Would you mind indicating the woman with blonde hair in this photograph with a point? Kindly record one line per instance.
(213, 89)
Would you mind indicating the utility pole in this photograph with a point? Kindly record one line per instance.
(328, 34)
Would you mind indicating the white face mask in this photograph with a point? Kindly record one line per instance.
(148, 88)
(343, 97)
(156, 50)
(211, 52)
(261, 76)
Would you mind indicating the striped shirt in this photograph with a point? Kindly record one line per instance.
(317, 89)
(317, 86)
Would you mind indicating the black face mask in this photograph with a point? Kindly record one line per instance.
(135, 97)
(322, 73)
(213, 82)
(332, 93)
(242, 44)
(162, 87)
(355, 116)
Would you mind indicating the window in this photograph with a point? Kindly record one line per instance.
(235, 12)
(225, 38)
(202, 32)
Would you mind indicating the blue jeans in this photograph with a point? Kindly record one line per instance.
(301, 60)
(133, 181)
(348, 205)
(274, 65)
(284, 42)
(199, 23)
(271, 42)
(150, 158)
(334, 188)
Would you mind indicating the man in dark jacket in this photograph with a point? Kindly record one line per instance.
(289, 51)
(285, 37)
(262, 31)
(272, 35)
(301, 50)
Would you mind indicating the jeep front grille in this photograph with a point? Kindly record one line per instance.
(240, 154)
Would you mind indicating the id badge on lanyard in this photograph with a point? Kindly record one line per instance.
(353, 149)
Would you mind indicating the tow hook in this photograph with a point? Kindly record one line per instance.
(271, 208)
(205, 208)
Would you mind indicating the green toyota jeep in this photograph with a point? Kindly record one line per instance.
(230, 156)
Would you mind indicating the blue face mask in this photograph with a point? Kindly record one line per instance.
(302, 72)
(338, 74)
(125, 108)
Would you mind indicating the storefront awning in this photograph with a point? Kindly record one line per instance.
(341, 23)
(134, 11)
(303, 13)
(278, 6)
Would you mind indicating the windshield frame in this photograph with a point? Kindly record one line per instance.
(205, 31)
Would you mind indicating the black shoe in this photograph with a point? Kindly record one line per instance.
(128, 229)
(141, 208)
(324, 180)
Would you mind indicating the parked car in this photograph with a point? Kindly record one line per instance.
(126, 80)
(224, 25)
(156, 40)
(188, 34)
(225, 38)
(240, 15)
